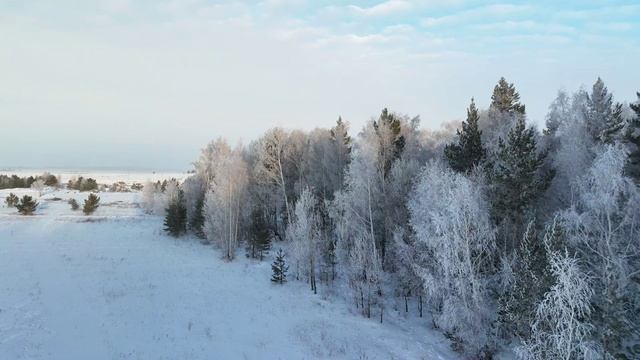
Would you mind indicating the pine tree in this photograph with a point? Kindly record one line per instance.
(175, 219)
(279, 268)
(91, 204)
(517, 173)
(505, 99)
(26, 206)
(259, 234)
(632, 138)
(11, 200)
(74, 204)
(197, 221)
(468, 152)
(604, 118)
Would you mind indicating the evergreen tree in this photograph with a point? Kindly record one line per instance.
(468, 152)
(505, 99)
(517, 173)
(26, 206)
(11, 200)
(259, 234)
(175, 219)
(632, 138)
(196, 224)
(90, 204)
(279, 268)
(74, 204)
(604, 119)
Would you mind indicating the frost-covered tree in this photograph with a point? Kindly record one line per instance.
(468, 152)
(561, 329)
(38, 186)
(272, 159)
(603, 226)
(456, 243)
(570, 149)
(303, 236)
(224, 205)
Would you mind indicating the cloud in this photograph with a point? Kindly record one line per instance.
(384, 8)
(495, 10)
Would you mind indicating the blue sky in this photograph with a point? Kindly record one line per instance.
(145, 84)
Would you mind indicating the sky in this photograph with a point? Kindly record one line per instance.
(145, 84)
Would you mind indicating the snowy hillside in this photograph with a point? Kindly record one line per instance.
(113, 286)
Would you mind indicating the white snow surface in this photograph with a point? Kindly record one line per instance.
(113, 286)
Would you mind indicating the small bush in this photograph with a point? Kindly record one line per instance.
(11, 200)
(91, 204)
(27, 206)
(74, 204)
(136, 186)
(82, 184)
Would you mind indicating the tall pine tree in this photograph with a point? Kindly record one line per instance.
(632, 138)
(505, 99)
(468, 152)
(603, 117)
(175, 220)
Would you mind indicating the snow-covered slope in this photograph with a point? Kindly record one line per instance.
(113, 286)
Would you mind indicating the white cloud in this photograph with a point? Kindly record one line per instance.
(384, 8)
(495, 10)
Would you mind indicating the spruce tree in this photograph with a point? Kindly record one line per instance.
(517, 175)
(175, 219)
(603, 117)
(505, 99)
(259, 234)
(279, 268)
(90, 204)
(632, 138)
(11, 200)
(468, 152)
(196, 223)
(27, 206)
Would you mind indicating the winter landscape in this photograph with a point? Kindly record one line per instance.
(319, 180)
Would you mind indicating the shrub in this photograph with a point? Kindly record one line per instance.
(82, 184)
(74, 204)
(91, 204)
(26, 205)
(12, 200)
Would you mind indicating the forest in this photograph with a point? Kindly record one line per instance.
(500, 235)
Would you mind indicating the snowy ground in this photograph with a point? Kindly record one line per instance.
(113, 286)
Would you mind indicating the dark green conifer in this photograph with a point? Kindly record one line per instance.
(90, 204)
(279, 268)
(175, 219)
(27, 206)
(468, 152)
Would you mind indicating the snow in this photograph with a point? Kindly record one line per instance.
(114, 286)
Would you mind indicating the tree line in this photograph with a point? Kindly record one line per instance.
(500, 233)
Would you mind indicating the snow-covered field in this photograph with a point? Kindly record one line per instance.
(114, 286)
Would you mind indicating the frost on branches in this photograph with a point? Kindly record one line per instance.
(453, 230)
